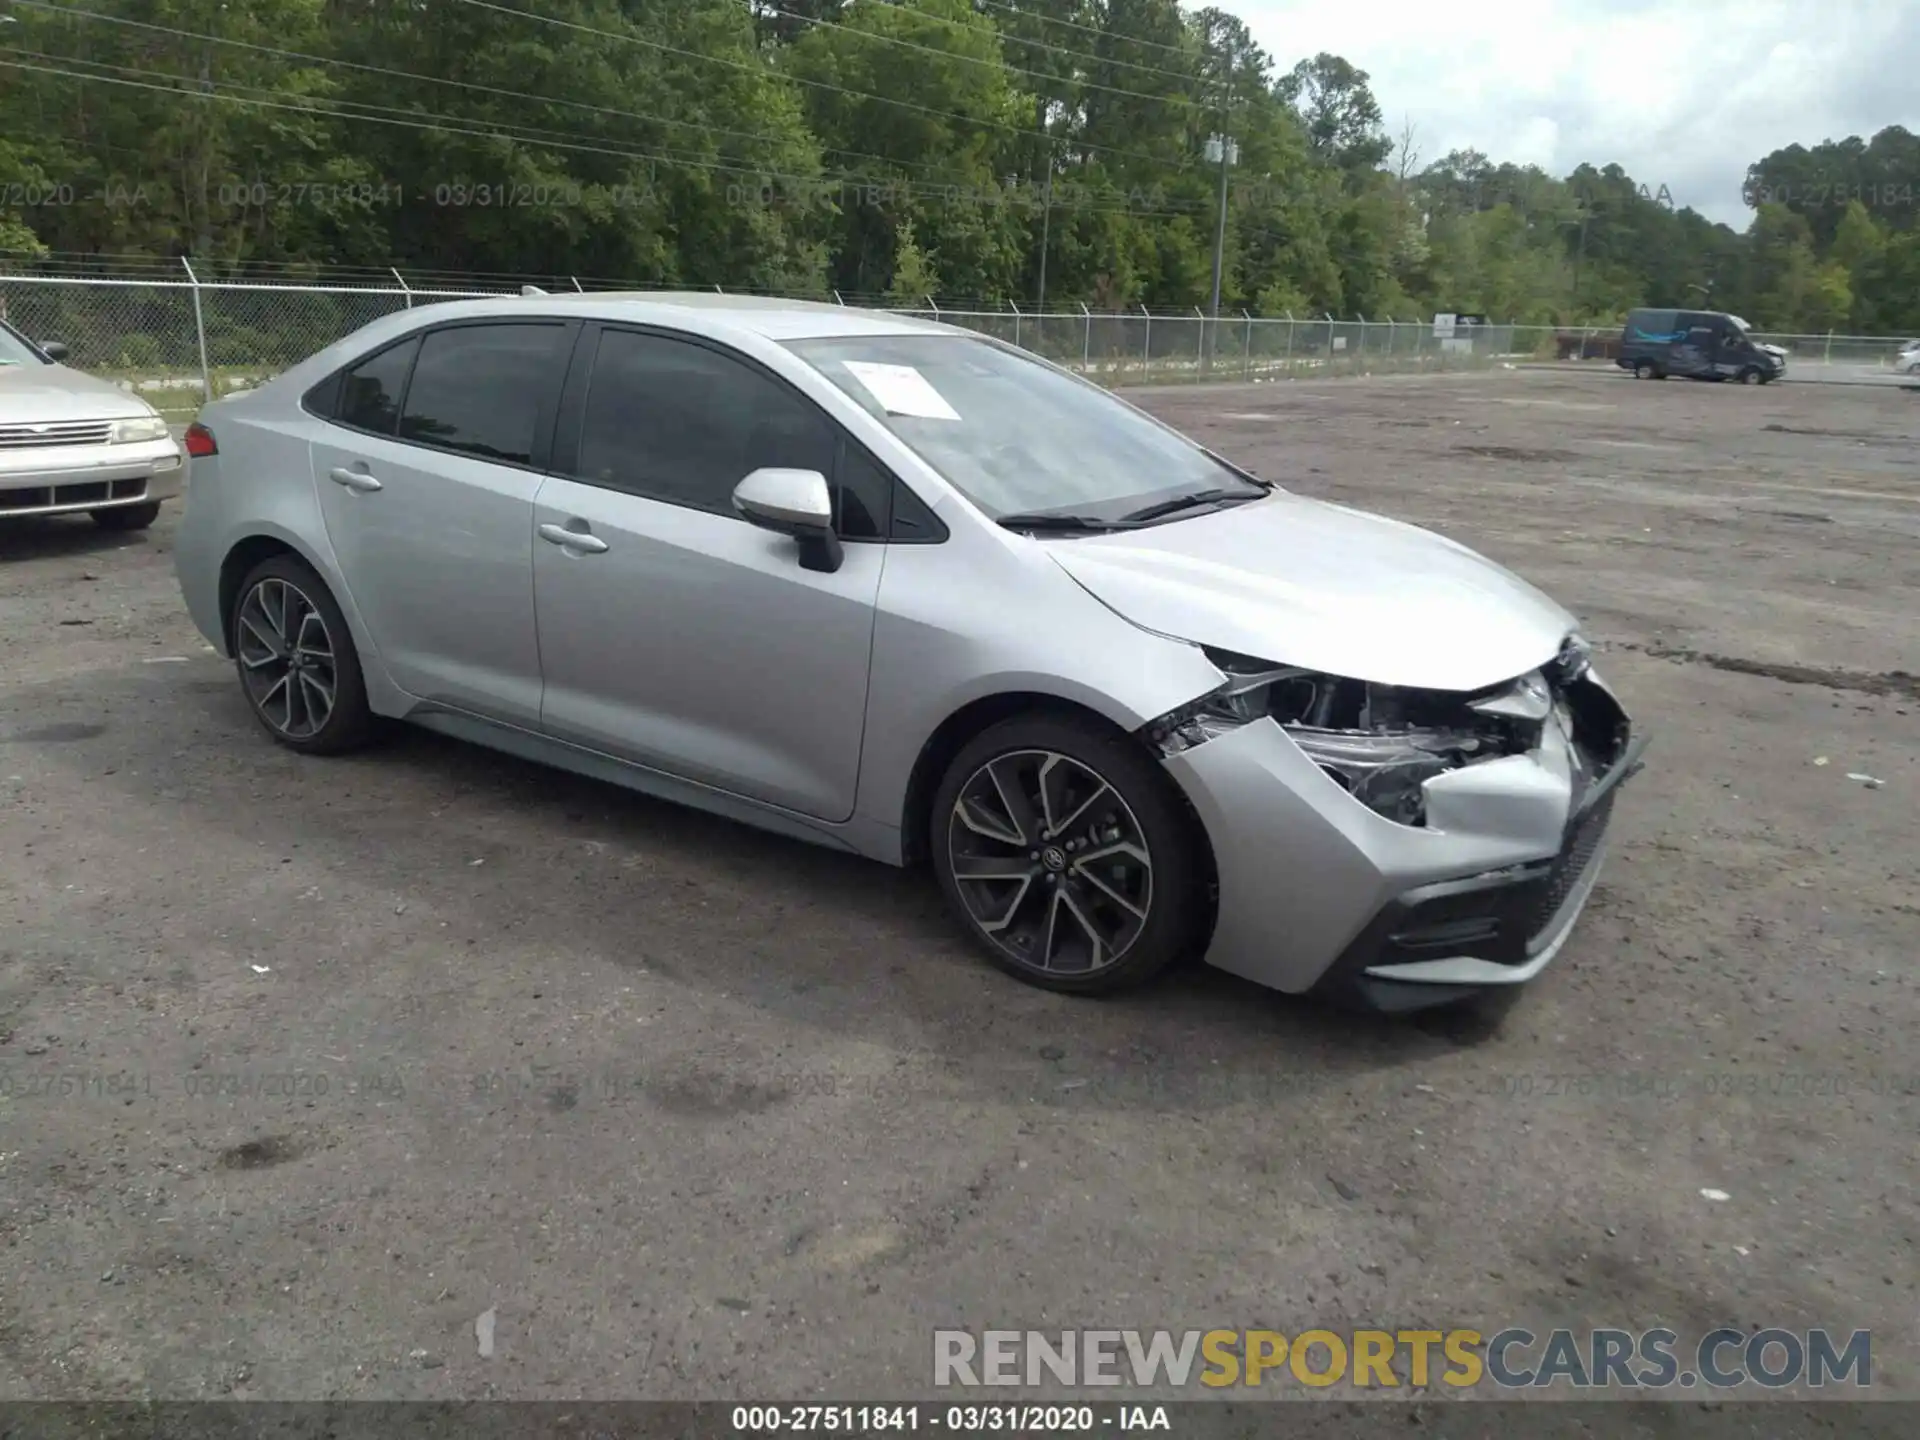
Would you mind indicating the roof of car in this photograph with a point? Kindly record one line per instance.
(767, 315)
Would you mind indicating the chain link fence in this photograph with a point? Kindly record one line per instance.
(179, 342)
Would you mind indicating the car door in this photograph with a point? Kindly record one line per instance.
(674, 634)
(426, 478)
(1693, 353)
(1731, 351)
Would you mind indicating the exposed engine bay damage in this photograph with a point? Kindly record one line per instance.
(1382, 744)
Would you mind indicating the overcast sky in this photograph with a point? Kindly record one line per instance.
(1682, 93)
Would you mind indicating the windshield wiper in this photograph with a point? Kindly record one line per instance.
(1053, 520)
(1240, 471)
(1186, 502)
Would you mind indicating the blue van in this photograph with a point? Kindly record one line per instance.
(1699, 344)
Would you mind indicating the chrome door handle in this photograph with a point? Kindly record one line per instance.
(352, 479)
(573, 539)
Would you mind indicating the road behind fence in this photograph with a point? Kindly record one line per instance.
(180, 342)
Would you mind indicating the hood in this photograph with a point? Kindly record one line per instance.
(1771, 349)
(34, 394)
(1302, 582)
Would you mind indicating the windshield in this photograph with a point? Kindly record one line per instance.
(14, 350)
(1740, 327)
(1015, 436)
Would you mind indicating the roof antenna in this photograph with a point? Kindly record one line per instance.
(531, 290)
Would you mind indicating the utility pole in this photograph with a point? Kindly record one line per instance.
(1222, 146)
(1046, 228)
(1580, 255)
(1580, 250)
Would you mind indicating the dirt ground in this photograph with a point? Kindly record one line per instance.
(306, 1065)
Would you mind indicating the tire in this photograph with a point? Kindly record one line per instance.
(283, 593)
(1110, 929)
(1750, 376)
(1643, 370)
(127, 517)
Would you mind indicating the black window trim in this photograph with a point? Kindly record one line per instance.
(541, 457)
(571, 414)
(338, 378)
(33, 346)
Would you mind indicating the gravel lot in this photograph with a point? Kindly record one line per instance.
(308, 1064)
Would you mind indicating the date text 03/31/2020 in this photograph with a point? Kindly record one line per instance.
(954, 1419)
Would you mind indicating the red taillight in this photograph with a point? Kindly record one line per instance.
(200, 441)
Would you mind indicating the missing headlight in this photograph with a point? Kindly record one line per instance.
(1379, 743)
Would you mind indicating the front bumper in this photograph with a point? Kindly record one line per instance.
(77, 478)
(1317, 893)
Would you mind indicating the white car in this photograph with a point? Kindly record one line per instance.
(1907, 362)
(71, 443)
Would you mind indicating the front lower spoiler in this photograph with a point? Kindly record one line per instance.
(1311, 883)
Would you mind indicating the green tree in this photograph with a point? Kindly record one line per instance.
(915, 276)
(1342, 119)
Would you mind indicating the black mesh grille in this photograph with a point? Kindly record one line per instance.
(1567, 871)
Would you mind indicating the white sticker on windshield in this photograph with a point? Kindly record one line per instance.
(902, 390)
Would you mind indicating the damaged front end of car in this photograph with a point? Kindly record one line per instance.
(1383, 743)
(1456, 842)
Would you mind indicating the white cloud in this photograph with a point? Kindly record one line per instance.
(1680, 93)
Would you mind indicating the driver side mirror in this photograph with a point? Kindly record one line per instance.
(796, 503)
(54, 350)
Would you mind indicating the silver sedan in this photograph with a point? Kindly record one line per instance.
(903, 590)
(71, 443)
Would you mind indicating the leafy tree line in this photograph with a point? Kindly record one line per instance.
(1033, 151)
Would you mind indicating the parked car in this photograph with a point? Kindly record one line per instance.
(910, 592)
(72, 443)
(1699, 344)
(1907, 362)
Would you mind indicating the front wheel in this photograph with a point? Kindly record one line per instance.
(1750, 376)
(1643, 370)
(297, 661)
(1067, 854)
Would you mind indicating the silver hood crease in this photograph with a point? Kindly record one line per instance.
(1303, 582)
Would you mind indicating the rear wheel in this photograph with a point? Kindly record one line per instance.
(127, 517)
(1067, 854)
(296, 659)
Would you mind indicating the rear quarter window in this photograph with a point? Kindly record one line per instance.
(370, 392)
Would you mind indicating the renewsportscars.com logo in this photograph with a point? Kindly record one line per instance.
(1510, 1359)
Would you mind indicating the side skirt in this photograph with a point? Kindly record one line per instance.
(856, 837)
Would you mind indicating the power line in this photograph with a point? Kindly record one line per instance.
(1042, 45)
(80, 14)
(1075, 25)
(996, 64)
(538, 138)
(1091, 59)
(762, 70)
(459, 127)
(530, 134)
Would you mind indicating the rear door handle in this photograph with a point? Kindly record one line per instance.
(353, 479)
(573, 539)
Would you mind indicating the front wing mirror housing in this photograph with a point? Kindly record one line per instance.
(796, 503)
